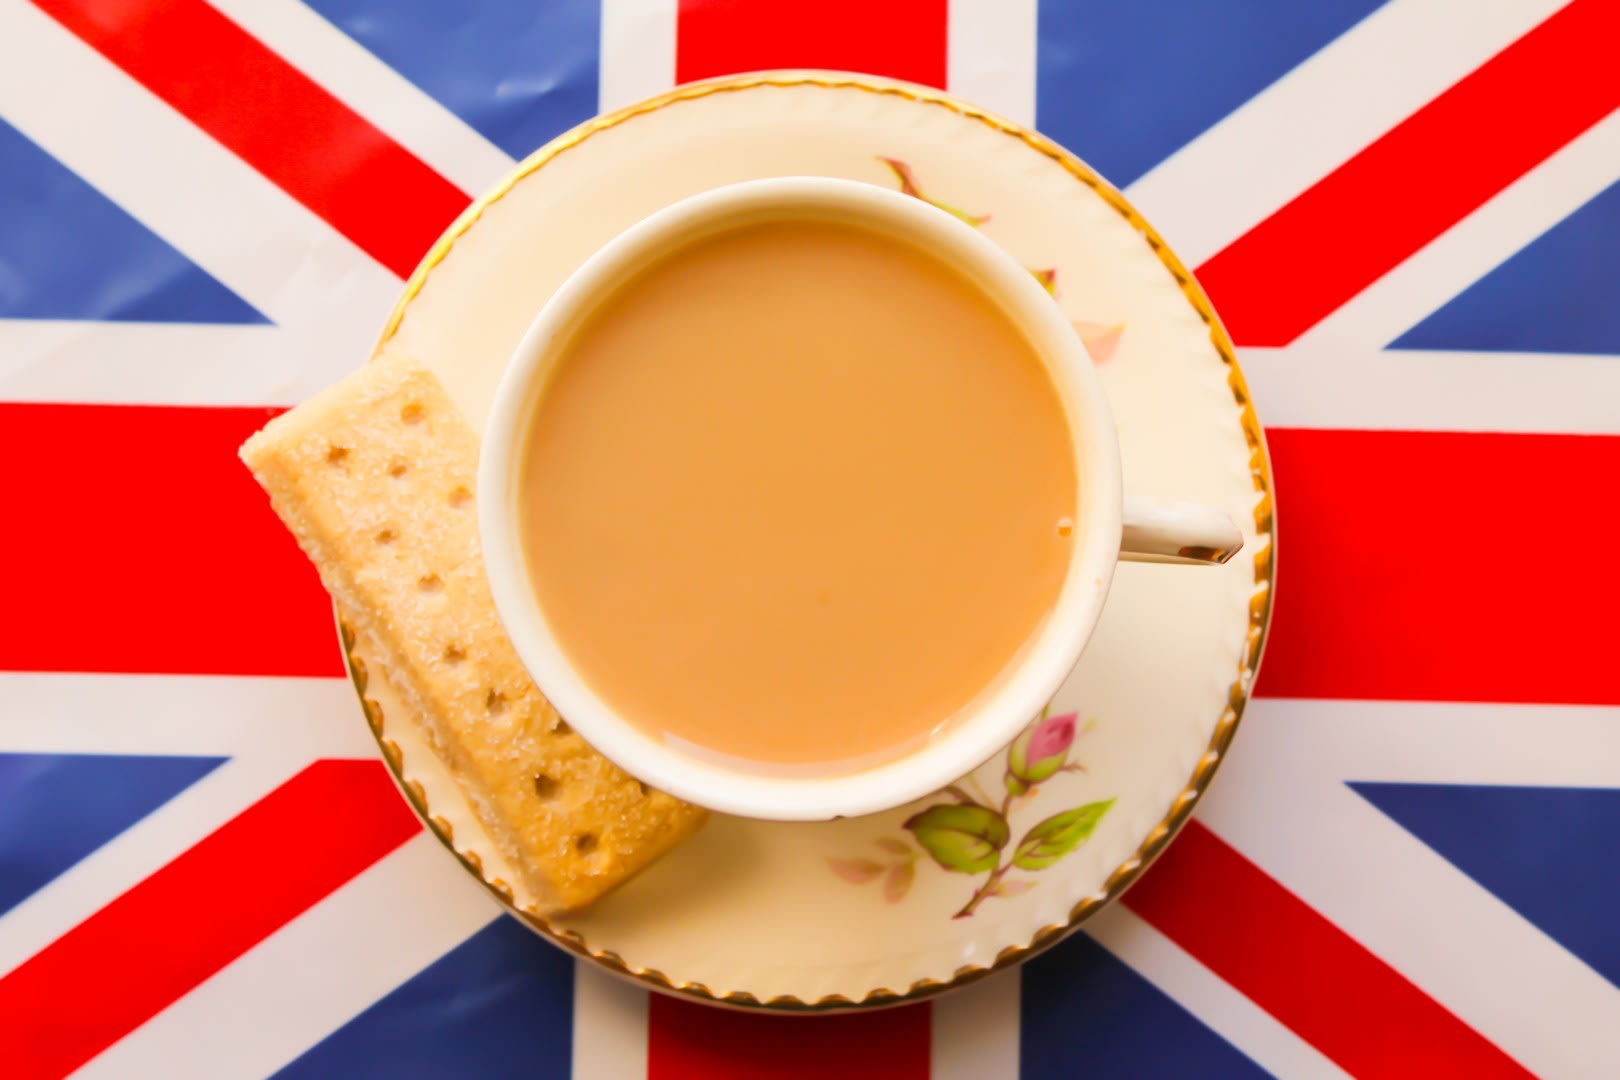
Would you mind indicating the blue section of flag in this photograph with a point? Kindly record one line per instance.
(1546, 852)
(499, 1004)
(518, 73)
(57, 808)
(1125, 85)
(1085, 1013)
(68, 252)
(1556, 295)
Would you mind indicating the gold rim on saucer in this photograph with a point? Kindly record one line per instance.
(1259, 604)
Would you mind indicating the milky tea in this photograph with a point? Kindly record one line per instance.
(796, 495)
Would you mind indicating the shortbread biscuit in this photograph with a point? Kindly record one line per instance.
(375, 477)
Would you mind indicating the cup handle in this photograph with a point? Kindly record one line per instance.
(1164, 530)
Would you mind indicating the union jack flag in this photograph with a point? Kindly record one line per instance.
(1408, 214)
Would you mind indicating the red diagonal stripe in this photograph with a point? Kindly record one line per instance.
(141, 544)
(275, 118)
(1455, 566)
(243, 882)
(686, 1041)
(903, 39)
(1425, 175)
(1300, 968)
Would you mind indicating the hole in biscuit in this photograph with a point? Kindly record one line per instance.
(430, 584)
(642, 788)
(562, 728)
(398, 469)
(585, 843)
(412, 413)
(337, 455)
(385, 536)
(453, 654)
(545, 786)
(460, 497)
(495, 703)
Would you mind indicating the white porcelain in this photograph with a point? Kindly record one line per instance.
(854, 913)
(1019, 694)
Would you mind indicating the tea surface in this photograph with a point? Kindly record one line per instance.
(796, 495)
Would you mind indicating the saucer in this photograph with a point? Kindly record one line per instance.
(878, 910)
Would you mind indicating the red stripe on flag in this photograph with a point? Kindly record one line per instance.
(278, 120)
(141, 544)
(1419, 179)
(258, 871)
(686, 1041)
(1310, 975)
(1447, 566)
(150, 549)
(902, 39)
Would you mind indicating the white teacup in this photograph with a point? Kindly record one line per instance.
(1110, 527)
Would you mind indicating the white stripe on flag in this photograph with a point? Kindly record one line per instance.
(1329, 386)
(975, 1030)
(1442, 742)
(214, 208)
(990, 56)
(638, 51)
(610, 1026)
(1395, 895)
(1316, 117)
(293, 720)
(309, 978)
(127, 363)
(1255, 1032)
(347, 71)
(1522, 211)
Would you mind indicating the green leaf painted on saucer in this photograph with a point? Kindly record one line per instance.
(1058, 835)
(964, 839)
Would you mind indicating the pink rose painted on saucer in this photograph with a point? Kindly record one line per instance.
(973, 833)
